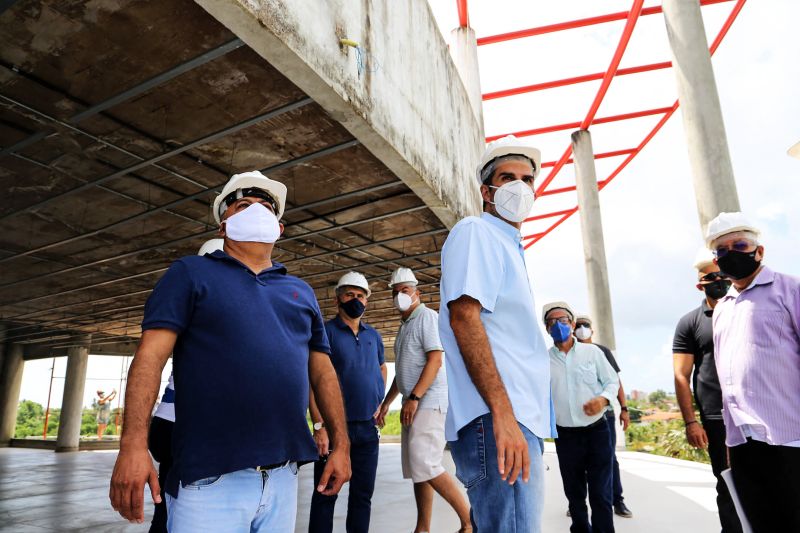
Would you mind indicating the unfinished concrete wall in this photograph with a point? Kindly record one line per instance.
(399, 93)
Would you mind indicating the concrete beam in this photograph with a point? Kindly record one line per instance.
(399, 92)
(69, 425)
(594, 248)
(712, 171)
(464, 51)
(10, 383)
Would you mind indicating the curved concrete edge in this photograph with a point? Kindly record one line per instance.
(399, 94)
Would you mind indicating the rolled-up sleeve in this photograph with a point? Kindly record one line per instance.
(607, 377)
(171, 303)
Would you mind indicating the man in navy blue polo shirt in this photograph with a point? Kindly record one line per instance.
(247, 340)
(357, 355)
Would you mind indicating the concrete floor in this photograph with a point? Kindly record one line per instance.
(42, 491)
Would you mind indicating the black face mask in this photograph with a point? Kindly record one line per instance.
(738, 265)
(717, 289)
(353, 308)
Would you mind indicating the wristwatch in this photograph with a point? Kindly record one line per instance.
(414, 397)
(624, 408)
(318, 425)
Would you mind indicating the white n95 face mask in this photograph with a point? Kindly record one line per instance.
(402, 301)
(583, 333)
(254, 224)
(513, 201)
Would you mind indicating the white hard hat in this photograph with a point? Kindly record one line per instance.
(726, 223)
(557, 305)
(509, 145)
(583, 318)
(251, 180)
(210, 246)
(703, 259)
(354, 279)
(404, 276)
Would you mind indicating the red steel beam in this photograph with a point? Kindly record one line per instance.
(630, 24)
(463, 13)
(547, 215)
(570, 25)
(535, 237)
(603, 155)
(574, 125)
(573, 81)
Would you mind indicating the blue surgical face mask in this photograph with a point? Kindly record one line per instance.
(560, 332)
(353, 308)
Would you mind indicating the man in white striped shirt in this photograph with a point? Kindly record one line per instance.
(420, 378)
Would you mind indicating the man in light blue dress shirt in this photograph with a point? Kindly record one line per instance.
(497, 363)
(584, 385)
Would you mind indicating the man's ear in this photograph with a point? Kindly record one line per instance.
(486, 193)
(221, 230)
(280, 225)
(760, 253)
(699, 287)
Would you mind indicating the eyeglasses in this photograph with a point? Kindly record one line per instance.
(713, 276)
(736, 246)
(583, 325)
(563, 319)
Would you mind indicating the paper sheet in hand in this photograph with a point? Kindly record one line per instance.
(727, 475)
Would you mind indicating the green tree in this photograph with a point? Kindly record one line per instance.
(657, 396)
(30, 419)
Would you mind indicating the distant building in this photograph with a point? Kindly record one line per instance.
(637, 395)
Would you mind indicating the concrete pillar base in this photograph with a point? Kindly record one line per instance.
(10, 383)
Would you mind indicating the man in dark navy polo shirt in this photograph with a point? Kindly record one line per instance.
(247, 340)
(357, 355)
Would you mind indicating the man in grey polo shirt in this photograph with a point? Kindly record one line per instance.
(420, 378)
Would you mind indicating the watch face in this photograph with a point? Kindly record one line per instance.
(317, 426)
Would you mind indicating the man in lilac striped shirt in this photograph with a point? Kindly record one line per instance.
(757, 353)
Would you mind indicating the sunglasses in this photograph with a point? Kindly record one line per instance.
(713, 276)
(737, 246)
(583, 325)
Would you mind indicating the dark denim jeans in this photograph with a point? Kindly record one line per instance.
(718, 452)
(364, 439)
(584, 457)
(615, 481)
(496, 505)
(159, 441)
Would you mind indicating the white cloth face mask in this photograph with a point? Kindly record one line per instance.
(254, 224)
(402, 302)
(583, 333)
(513, 201)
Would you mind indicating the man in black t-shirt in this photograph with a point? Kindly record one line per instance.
(583, 332)
(693, 357)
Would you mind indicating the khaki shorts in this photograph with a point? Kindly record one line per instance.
(422, 446)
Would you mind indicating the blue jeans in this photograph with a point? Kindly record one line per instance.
(364, 439)
(584, 457)
(616, 482)
(241, 501)
(496, 505)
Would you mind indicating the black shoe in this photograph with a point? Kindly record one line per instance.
(620, 509)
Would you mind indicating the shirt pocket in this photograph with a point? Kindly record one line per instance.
(587, 374)
(762, 329)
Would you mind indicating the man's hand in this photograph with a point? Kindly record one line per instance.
(322, 441)
(624, 420)
(336, 473)
(380, 415)
(408, 411)
(512, 449)
(696, 435)
(595, 405)
(133, 469)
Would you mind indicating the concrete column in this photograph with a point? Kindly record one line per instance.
(464, 51)
(10, 382)
(69, 426)
(714, 184)
(594, 249)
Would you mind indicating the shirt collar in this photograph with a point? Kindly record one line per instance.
(765, 276)
(705, 308)
(342, 325)
(276, 268)
(414, 314)
(506, 228)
